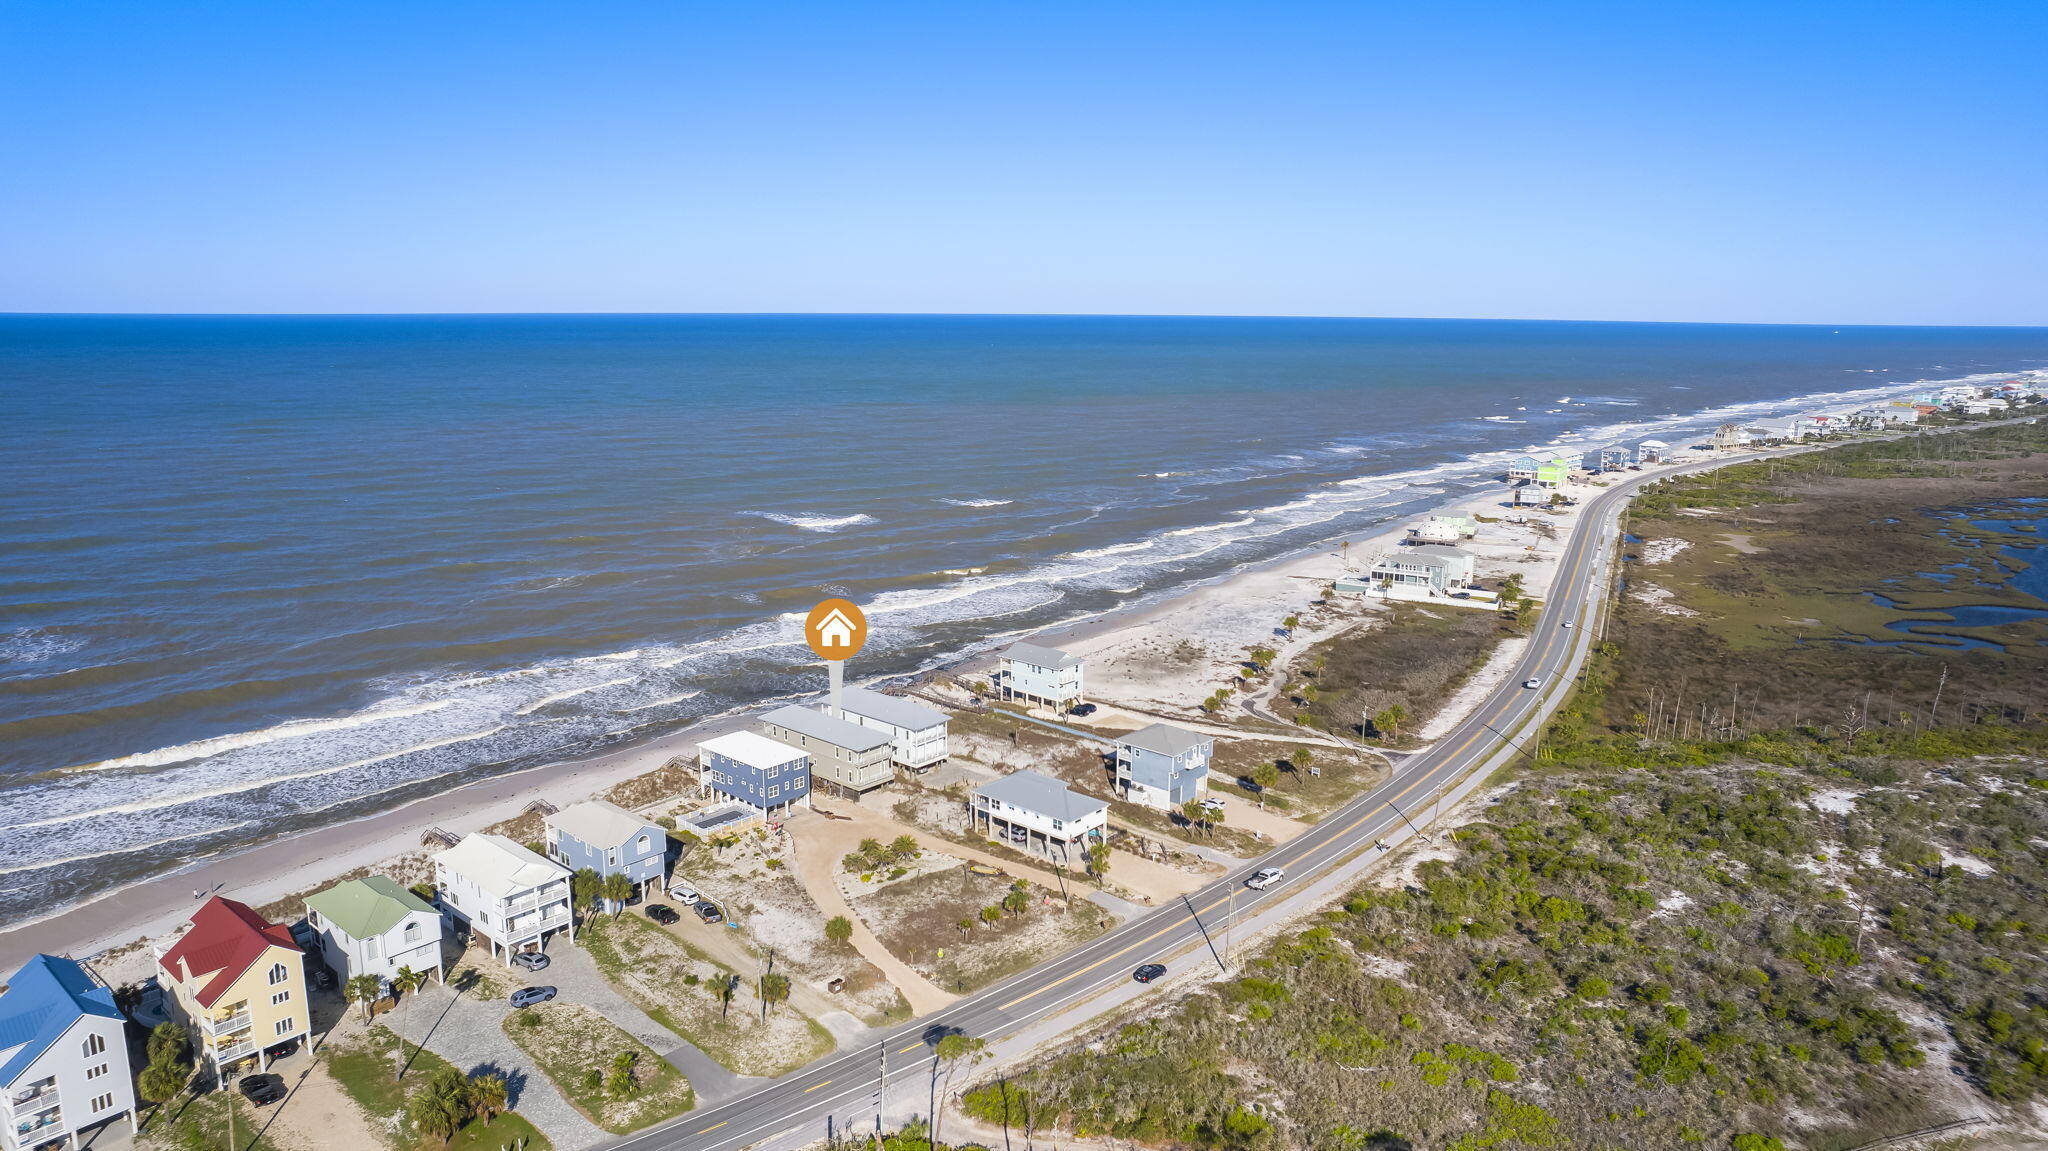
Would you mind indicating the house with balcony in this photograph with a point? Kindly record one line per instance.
(1522, 469)
(372, 926)
(1428, 568)
(609, 840)
(1608, 458)
(1163, 766)
(1553, 472)
(1039, 815)
(768, 777)
(63, 1056)
(917, 734)
(513, 898)
(1652, 452)
(237, 982)
(1042, 676)
(846, 758)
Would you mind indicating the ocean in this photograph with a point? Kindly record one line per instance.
(262, 574)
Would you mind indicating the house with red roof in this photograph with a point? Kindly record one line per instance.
(237, 982)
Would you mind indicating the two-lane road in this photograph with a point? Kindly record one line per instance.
(843, 1088)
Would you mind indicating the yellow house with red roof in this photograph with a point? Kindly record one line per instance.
(238, 984)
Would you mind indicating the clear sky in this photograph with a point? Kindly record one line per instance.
(1857, 162)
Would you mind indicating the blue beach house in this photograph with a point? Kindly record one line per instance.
(609, 840)
(1041, 675)
(752, 769)
(1522, 468)
(1163, 766)
(63, 1055)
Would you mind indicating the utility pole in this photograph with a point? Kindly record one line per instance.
(881, 1091)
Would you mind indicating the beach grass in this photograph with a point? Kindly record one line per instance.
(203, 1121)
(577, 1048)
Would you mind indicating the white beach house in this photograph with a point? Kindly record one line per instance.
(512, 897)
(917, 734)
(1045, 676)
(1039, 814)
(1429, 567)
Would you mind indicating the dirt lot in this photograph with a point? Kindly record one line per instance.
(919, 919)
(677, 987)
(776, 914)
(1416, 660)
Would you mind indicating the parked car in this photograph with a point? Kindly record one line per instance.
(1532, 683)
(683, 893)
(531, 960)
(984, 869)
(1264, 878)
(709, 912)
(662, 913)
(528, 996)
(1146, 973)
(323, 978)
(1019, 835)
(1082, 709)
(262, 1090)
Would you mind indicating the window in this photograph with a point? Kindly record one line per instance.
(371, 948)
(284, 1027)
(611, 856)
(412, 932)
(280, 997)
(279, 973)
(100, 1103)
(96, 1071)
(641, 845)
(94, 1044)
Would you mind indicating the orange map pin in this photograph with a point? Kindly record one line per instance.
(835, 629)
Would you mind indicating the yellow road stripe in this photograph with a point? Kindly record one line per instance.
(713, 1127)
(815, 1086)
(912, 1047)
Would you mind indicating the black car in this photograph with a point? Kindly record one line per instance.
(1082, 709)
(528, 996)
(1149, 972)
(709, 912)
(662, 913)
(262, 1090)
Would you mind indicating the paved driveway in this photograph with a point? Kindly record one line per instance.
(470, 1033)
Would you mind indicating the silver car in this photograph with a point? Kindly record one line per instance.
(1264, 878)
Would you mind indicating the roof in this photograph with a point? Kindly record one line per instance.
(1042, 794)
(600, 824)
(1440, 551)
(226, 938)
(366, 907)
(1165, 739)
(1037, 656)
(752, 749)
(890, 709)
(497, 865)
(829, 728)
(42, 1001)
(1654, 444)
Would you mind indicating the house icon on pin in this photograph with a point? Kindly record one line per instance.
(835, 630)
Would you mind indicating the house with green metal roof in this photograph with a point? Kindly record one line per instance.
(373, 926)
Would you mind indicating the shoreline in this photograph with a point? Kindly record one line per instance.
(118, 919)
(265, 872)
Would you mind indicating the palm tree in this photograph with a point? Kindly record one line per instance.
(991, 914)
(773, 989)
(1192, 811)
(966, 927)
(625, 1080)
(442, 1106)
(1390, 719)
(903, 847)
(404, 983)
(363, 989)
(617, 889)
(586, 887)
(489, 1097)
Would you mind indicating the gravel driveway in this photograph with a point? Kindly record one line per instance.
(470, 1033)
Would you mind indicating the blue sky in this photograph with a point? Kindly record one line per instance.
(1812, 162)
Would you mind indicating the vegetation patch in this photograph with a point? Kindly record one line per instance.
(435, 1105)
(964, 931)
(745, 1024)
(618, 1082)
(1383, 683)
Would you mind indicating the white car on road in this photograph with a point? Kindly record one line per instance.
(1265, 877)
(1532, 683)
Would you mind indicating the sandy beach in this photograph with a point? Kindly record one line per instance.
(1219, 620)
